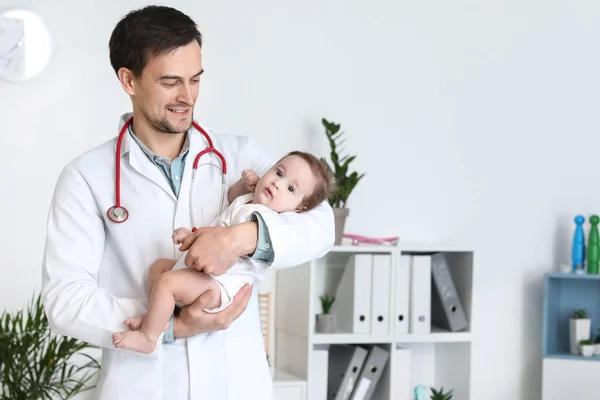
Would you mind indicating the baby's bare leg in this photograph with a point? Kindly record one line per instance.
(156, 269)
(184, 286)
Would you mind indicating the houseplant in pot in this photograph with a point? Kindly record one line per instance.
(440, 394)
(36, 363)
(597, 343)
(587, 348)
(345, 181)
(579, 328)
(326, 320)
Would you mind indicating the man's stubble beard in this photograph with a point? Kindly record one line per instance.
(163, 125)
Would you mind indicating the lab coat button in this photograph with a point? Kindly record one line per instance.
(267, 245)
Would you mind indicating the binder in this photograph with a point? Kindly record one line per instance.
(370, 374)
(353, 296)
(401, 384)
(380, 294)
(345, 364)
(420, 294)
(402, 295)
(447, 311)
(317, 372)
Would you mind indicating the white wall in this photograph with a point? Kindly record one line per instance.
(476, 122)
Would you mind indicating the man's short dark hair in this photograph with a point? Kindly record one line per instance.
(148, 32)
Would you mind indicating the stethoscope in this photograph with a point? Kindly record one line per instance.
(118, 213)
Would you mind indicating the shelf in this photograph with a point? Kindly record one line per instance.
(569, 356)
(558, 275)
(349, 338)
(362, 249)
(418, 247)
(436, 336)
(374, 287)
(407, 247)
(564, 293)
(280, 377)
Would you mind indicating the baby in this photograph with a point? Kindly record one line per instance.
(298, 182)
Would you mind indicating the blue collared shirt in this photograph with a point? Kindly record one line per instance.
(173, 172)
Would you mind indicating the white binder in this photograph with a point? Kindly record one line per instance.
(380, 290)
(401, 385)
(402, 295)
(318, 372)
(420, 294)
(353, 296)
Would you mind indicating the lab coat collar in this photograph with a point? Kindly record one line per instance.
(140, 162)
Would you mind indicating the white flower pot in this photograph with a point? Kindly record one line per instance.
(587, 350)
(579, 329)
(340, 215)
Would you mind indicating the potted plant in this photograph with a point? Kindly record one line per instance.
(326, 322)
(597, 343)
(579, 328)
(440, 395)
(37, 364)
(587, 348)
(345, 181)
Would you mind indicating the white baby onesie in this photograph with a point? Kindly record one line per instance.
(245, 270)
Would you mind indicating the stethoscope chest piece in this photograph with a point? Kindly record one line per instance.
(118, 214)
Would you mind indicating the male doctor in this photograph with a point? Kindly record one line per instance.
(95, 270)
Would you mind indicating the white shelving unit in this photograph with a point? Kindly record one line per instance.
(437, 358)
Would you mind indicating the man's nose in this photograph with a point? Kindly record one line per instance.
(185, 94)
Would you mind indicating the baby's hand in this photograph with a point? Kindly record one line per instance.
(180, 234)
(250, 179)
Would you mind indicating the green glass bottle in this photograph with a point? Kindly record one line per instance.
(593, 246)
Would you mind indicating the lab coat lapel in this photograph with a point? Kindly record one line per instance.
(142, 164)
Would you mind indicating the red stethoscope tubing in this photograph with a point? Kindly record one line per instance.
(118, 213)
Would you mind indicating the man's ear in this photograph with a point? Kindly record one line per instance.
(127, 80)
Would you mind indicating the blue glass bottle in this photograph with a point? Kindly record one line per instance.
(578, 248)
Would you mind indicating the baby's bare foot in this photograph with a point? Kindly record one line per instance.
(134, 340)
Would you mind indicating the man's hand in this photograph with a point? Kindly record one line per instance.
(193, 320)
(213, 250)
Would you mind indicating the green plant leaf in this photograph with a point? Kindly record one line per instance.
(327, 303)
(36, 363)
(339, 167)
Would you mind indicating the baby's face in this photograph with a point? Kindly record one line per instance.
(286, 185)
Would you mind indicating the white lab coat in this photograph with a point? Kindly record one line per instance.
(94, 270)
